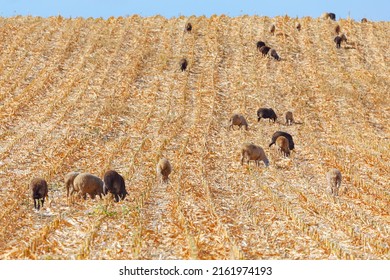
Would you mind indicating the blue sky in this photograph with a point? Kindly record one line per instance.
(375, 10)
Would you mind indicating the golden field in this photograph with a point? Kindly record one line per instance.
(92, 95)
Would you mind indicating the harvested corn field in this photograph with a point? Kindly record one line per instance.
(91, 95)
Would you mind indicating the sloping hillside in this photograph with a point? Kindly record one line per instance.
(92, 94)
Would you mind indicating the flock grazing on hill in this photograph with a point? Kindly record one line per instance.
(114, 183)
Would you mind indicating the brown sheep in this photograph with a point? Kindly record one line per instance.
(272, 29)
(298, 26)
(339, 39)
(274, 54)
(163, 169)
(334, 180)
(264, 50)
(285, 134)
(252, 152)
(68, 180)
(114, 183)
(188, 27)
(283, 145)
(183, 64)
(364, 20)
(39, 189)
(289, 118)
(239, 120)
(337, 29)
(90, 184)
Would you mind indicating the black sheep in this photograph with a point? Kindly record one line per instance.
(339, 39)
(266, 113)
(183, 64)
(264, 50)
(115, 184)
(188, 27)
(260, 44)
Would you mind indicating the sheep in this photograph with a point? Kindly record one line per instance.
(331, 16)
(339, 39)
(163, 169)
(260, 44)
(289, 118)
(264, 50)
(114, 183)
(252, 152)
(266, 113)
(283, 144)
(274, 54)
(39, 189)
(183, 64)
(188, 27)
(334, 180)
(298, 26)
(90, 184)
(364, 20)
(337, 29)
(285, 134)
(68, 180)
(239, 120)
(272, 29)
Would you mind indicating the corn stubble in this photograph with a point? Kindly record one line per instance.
(94, 94)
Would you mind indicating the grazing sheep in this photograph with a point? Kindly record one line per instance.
(285, 134)
(364, 20)
(239, 120)
(90, 184)
(188, 27)
(337, 29)
(289, 118)
(39, 189)
(298, 26)
(339, 39)
(183, 64)
(260, 44)
(115, 184)
(252, 152)
(334, 180)
(272, 29)
(69, 179)
(266, 113)
(331, 16)
(264, 50)
(283, 144)
(274, 54)
(163, 169)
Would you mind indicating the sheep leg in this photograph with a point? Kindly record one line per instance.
(116, 198)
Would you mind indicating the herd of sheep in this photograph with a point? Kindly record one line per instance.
(114, 183)
(85, 183)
